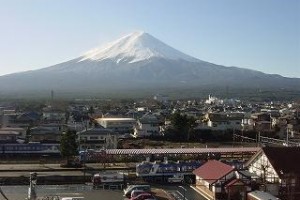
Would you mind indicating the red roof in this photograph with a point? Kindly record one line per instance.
(233, 182)
(213, 170)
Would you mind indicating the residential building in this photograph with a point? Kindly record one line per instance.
(217, 181)
(293, 130)
(279, 170)
(97, 138)
(21, 131)
(45, 134)
(8, 136)
(262, 122)
(52, 115)
(118, 125)
(148, 125)
(224, 121)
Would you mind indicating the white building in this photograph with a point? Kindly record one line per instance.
(213, 100)
(147, 125)
(97, 138)
(119, 125)
(224, 121)
(278, 168)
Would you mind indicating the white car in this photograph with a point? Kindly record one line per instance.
(178, 178)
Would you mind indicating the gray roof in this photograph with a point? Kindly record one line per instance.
(97, 131)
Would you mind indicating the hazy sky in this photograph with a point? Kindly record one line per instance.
(258, 34)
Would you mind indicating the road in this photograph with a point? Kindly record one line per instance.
(182, 192)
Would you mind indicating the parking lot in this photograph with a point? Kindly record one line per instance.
(163, 192)
(44, 191)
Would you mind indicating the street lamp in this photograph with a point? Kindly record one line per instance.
(184, 190)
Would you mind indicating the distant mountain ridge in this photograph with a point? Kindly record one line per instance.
(139, 61)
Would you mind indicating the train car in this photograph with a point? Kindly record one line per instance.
(32, 148)
(91, 155)
(108, 178)
(162, 171)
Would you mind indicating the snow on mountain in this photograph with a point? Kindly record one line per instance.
(138, 61)
(136, 47)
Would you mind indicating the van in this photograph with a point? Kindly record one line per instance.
(130, 188)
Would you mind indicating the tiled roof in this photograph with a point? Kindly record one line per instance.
(235, 182)
(149, 118)
(97, 131)
(178, 151)
(213, 170)
(225, 116)
(285, 160)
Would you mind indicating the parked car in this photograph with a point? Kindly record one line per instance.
(144, 196)
(135, 193)
(177, 178)
(130, 188)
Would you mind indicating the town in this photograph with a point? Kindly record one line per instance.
(222, 148)
(149, 100)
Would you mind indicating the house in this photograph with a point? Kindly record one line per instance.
(247, 122)
(31, 118)
(52, 115)
(224, 121)
(293, 130)
(147, 125)
(216, 180)
(192, 112)
(262, 122)
(8, 120)
(119, 125)
(21, 131)
(8, 136)
(45, 134)
(97, 138)
(279, 170)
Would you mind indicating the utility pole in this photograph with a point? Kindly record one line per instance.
(31, 190)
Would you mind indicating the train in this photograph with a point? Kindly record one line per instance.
(32, 148)
(162, 171)
(91, 155)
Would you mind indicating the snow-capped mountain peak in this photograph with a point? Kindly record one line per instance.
(135, 47)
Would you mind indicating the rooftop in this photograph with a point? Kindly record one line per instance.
(213, 170)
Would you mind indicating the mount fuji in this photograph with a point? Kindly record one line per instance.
(139, 61)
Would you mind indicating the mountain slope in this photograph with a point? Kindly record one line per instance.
(141, 61)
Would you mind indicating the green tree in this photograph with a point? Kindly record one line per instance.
(28, 134)
(91, 110)
(183, 126)
(68, 144)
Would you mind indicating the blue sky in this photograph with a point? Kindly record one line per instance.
(262, 35)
